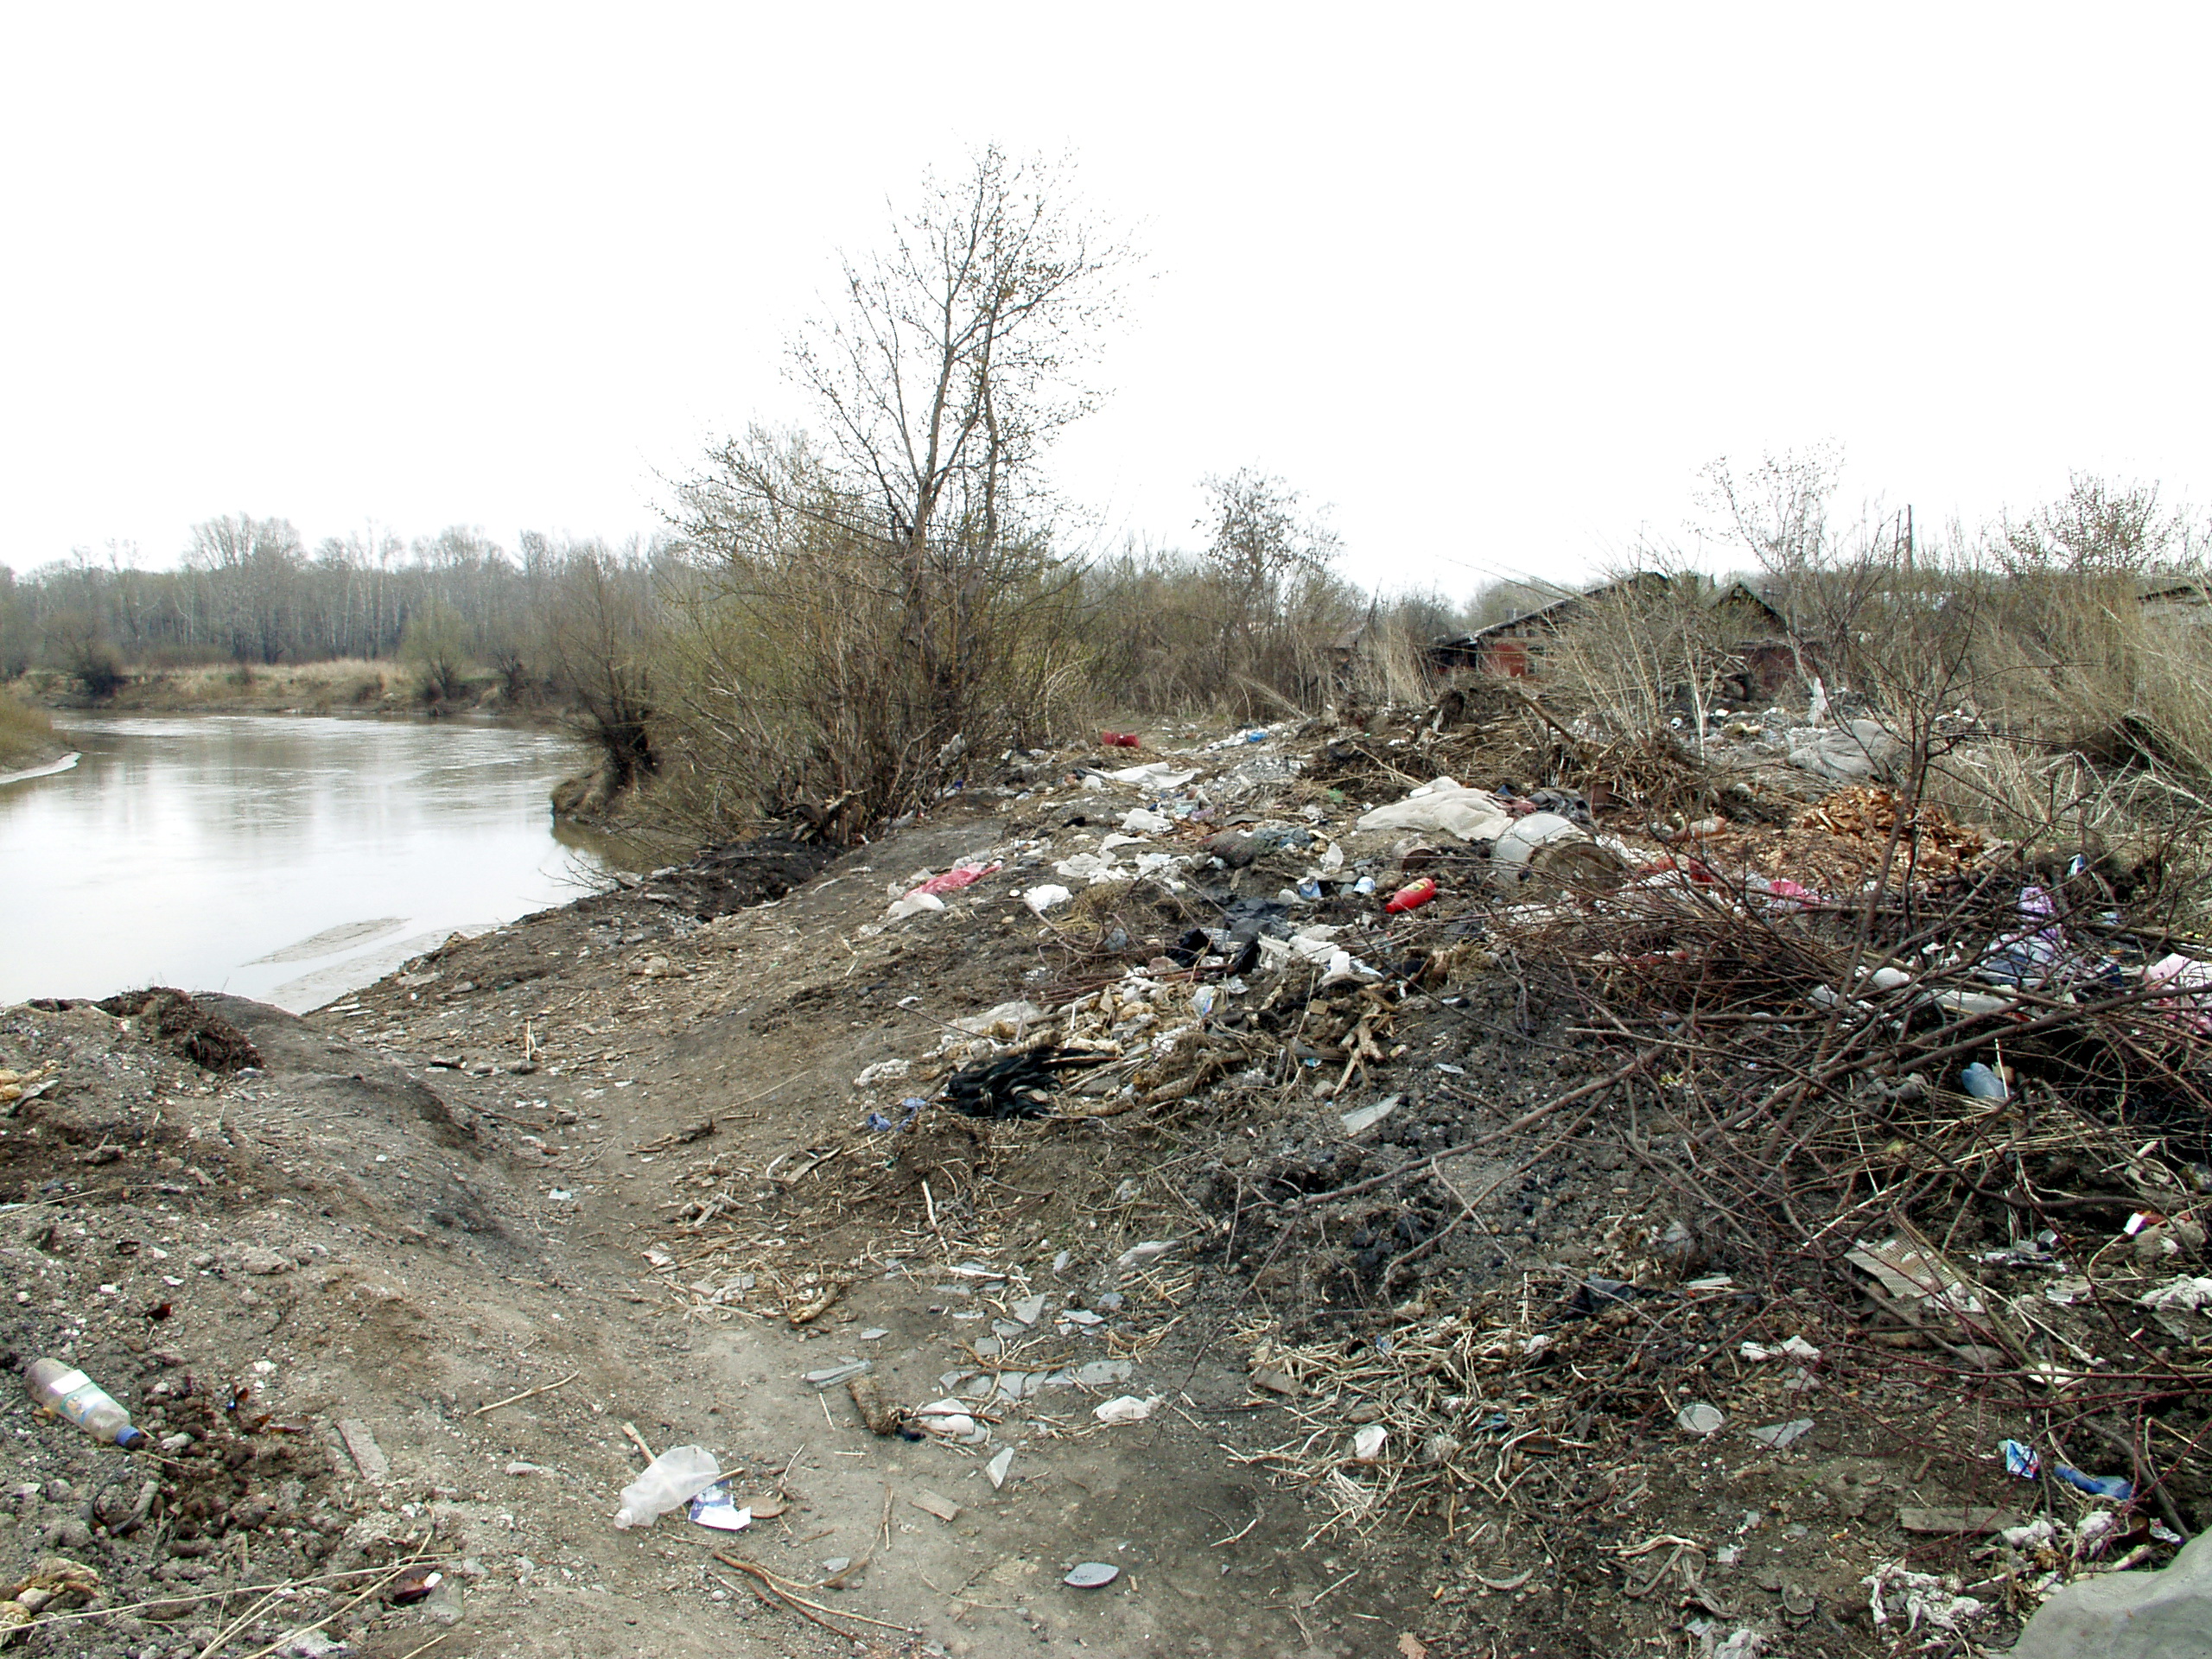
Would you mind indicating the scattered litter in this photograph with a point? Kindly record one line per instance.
(913, 903)
(1983, 1083)
(1791, 1348)
(1699, 1418)
(829, 1375)
(2020, 1459)
(1849, 753)
(1124, 1409)
(883, 1071)
(60, 1388)
(2187, 974)
(1092, 1575)
(1913, 1274)
(1742, 1642)
(2038, 1534)
(2185, 1294)
(874, 1333)
(1366, 1117)
(714, 1506)
(1782, 1435)
(1157, 774)
(930, 1503)
(1924, 1599)
(312, 1644)
(678, 1474)
(2112, 1486)
(996, 1469)
(946, 1418)
(1137, 1254)
(1443, 805)
(959, 876)
(1042, 899)
(1961, 1521)
(1411, 897)
(1367, 1445)
(1544, 843)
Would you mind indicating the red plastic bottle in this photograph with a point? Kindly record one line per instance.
(1411, 897)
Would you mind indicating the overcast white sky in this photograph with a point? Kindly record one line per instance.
(1495, 282)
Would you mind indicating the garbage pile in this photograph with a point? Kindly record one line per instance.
(1903, 1115)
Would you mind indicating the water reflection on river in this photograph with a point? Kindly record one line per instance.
(283, 858)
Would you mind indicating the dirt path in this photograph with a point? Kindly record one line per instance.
(397, 1220)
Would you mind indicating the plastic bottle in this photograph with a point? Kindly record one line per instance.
(66, 1391)
(677, 1476)
(1412, 898)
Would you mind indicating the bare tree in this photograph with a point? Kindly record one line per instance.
(253, 565)
(902, 552)
(1269, 563)
(954, 360)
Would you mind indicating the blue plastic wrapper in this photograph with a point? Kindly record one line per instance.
(2020, 1459)
(1983, 1083)
(912, 1105)
(2112, 1486)
(715, 1508)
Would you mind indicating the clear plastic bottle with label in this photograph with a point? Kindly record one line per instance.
(68, 1392)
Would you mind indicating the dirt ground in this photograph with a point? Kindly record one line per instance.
(421, 1277)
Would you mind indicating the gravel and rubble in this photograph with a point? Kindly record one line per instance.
(1601, 1253)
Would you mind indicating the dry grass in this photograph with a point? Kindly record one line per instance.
(26, 734)
(343, 683)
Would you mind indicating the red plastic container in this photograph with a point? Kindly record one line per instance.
(1120, 740)
(1411, 897)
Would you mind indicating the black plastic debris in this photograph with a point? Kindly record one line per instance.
(1596, 1295)
(1188, 949)
(1013, 1086)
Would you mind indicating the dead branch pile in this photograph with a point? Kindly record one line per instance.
(1933, 1136)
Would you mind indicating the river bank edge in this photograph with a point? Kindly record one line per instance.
(339, 687)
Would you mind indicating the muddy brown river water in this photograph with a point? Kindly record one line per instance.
(285, 858)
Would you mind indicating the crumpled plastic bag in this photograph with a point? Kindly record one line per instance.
(958, 876)
(1850, 753)
(674, 1478)
(2186, 1293)
(2187, 974)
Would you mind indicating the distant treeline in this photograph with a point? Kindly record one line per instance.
(1257, 617)
(249, 590)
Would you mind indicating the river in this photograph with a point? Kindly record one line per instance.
(286, 858)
